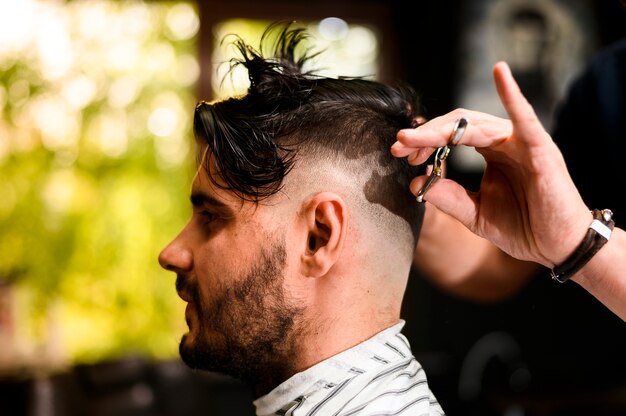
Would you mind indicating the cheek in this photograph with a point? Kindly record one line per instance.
(297, 287)
(296, 238)
(221, 262)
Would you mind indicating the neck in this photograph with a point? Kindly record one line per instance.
(344, 313)
(341, 311)
(322, 343)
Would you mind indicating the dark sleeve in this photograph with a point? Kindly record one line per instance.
(590, 130)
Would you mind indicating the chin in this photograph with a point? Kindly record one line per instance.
(185, 350)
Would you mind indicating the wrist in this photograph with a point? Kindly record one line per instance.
(600, 265)
(597, 235)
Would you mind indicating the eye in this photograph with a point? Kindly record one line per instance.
(207, 217)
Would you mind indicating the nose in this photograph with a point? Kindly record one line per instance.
(176, 257)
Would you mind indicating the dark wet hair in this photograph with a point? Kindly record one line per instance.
(288, 114)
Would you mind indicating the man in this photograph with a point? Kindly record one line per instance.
(296, 257)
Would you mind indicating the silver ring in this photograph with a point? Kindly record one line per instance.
(457, 131)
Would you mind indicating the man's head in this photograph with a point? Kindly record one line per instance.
(303, 225)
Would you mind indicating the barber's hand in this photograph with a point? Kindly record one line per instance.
(527, 204)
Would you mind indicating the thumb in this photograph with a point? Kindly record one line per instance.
(451, 198)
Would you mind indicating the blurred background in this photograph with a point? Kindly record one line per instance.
(96, 159)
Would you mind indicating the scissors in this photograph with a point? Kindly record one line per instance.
(440, 156)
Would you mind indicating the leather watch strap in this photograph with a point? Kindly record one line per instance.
(592, 242)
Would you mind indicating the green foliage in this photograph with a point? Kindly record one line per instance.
(95, 166)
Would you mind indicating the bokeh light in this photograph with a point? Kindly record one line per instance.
(96, 100)
(349, 50)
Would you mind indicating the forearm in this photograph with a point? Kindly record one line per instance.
(446, 249)
(605, 274)
(465, 265)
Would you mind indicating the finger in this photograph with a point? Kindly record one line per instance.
(422, 156)
(399, 149)
(420, 120)
(414, 157)
(419, 156)
(483, 130)
(525, 122)
(451, 198)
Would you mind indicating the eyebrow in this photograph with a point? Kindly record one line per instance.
(199, 198)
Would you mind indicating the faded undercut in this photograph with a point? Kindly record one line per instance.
(290, 115)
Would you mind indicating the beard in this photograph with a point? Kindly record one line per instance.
(247, 330)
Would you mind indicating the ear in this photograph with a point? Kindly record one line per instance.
(325, 216)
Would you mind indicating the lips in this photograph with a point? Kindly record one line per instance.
(188, 311)
(181, 285)
(184, 296)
